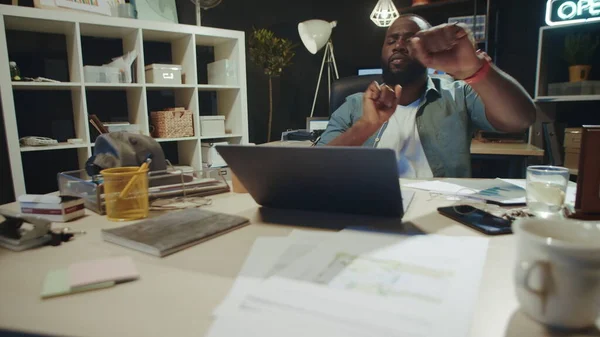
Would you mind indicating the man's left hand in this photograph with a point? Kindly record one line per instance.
(446, 48)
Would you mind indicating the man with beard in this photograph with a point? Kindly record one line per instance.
(429, 121)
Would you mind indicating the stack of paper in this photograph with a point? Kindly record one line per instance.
(354, 284)
(500, 191)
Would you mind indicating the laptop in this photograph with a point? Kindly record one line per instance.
(316, 123)
(330, 179)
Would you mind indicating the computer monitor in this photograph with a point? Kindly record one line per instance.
(316, 123)
(374, 71)
(362, 72)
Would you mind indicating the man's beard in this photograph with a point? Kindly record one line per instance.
(411, 73)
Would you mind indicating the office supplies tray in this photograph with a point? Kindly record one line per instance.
(169, 183)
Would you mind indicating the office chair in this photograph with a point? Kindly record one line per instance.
(347, 86)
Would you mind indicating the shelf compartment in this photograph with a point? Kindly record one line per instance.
(573, 98)
(552, 66)
(34, 59)
(227, 50)
(112, 86)
(100, 44)
(185, 97)
(217, 87)
(45, 85)
(171, 48)
(211, 41)
(54, 114)
(183, 153)
(225, 136)
(38, 25)
(117, 105)
(226, 103)
(101, 31)
(153, 86)
(41, 167)
(163, 140)
(59, 146)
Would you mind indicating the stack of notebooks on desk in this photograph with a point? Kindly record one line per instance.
(197, 187)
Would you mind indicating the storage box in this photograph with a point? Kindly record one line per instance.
(172, 123)
(211, 157)
(572, 158)
(212, 125)
(573, 137)
(52, 208)
(125, 127)
(163, 74)
(217, 173)
(223, 72)
(102, 74)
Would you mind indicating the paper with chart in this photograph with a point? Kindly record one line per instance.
(268, 256)
(418, 286)
(278, 324)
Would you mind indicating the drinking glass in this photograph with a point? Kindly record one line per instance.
(546, 190)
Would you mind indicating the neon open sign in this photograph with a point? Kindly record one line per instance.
(561, 12)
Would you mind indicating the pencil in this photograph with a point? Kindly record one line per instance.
(132, 182)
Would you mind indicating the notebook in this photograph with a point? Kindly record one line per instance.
(57, 284)
(174, 231)
(116, 269)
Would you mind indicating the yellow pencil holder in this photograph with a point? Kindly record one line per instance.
(125, 193)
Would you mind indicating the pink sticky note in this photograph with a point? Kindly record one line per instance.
(117, 269)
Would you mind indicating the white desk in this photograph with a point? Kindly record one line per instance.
(176, 295)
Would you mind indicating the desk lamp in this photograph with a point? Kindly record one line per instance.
(315, 35)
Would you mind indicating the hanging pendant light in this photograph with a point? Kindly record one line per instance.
(384, 13)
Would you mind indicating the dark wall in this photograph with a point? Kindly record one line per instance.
(357, 43)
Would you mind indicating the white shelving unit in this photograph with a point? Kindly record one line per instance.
(550, 49)
(550, 46)
(133, 35)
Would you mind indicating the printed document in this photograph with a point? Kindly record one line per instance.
(423, 285)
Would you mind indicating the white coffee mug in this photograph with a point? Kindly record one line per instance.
(558, 271)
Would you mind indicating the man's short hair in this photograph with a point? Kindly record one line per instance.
(410, 15)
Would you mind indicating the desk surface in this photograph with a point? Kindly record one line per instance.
(477, 147)
(507, 149)
(176, 294)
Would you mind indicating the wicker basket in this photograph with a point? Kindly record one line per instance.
(172, 123)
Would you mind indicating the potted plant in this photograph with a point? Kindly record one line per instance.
(272, 54)
(579, 51)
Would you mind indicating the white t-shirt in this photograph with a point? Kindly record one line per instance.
(402, 136)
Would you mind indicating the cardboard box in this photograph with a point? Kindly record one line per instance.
(163, 73)
(572, 158)
(573, 138)
(212, 125)
(52, 208)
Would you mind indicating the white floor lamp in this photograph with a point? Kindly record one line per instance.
(315, 35)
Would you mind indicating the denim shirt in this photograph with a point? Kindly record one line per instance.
(446, 120)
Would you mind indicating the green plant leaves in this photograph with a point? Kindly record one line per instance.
(580, 48)
(271, 53)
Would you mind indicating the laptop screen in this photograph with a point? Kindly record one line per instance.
(317, 124)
